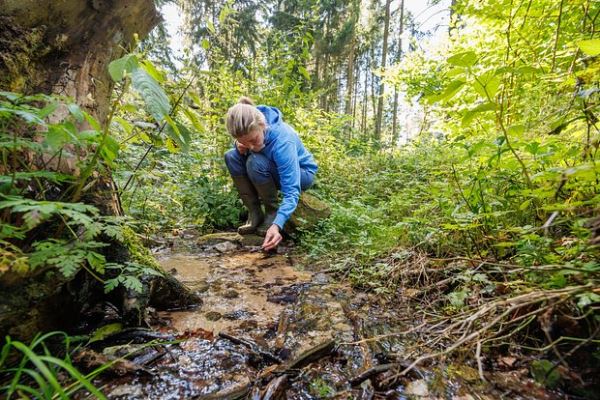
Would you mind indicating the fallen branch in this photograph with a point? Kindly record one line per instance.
(376, 370)
(313, 354)
(253, 347)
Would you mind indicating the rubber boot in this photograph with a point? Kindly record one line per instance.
(251, 201)
(268, 196)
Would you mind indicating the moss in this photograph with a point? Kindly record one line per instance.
(20, 48)
(137, 252)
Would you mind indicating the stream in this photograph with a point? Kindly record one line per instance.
(271, 329)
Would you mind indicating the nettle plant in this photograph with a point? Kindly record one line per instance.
(52, 153)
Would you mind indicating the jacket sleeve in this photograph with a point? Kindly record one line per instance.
(288, 166)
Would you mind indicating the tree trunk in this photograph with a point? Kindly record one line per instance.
(398, 59)
(354, 13)
(76, 40)
(365, 103)
(355, 99)
(371, 66)
(350, 77)
(64, 48)
(384, 50)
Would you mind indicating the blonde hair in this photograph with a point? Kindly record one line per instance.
(243, 118)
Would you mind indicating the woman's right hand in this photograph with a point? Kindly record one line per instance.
(241, 148)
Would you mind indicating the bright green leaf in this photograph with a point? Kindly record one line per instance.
(590, 47)
(126, 64)
(466, 59)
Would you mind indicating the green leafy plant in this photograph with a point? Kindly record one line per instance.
(32, 370)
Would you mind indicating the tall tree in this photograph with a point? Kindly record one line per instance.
(398, 59)
(354, 12)
(384, 50)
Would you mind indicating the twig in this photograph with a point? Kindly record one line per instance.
(478, 356)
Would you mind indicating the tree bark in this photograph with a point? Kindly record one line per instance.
(64, 48)
(355, 99)
(79, 39)
(398, 59)
(384, 50)
(365, 103)
(354, 13)
(350, 77)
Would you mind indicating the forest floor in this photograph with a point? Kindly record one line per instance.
(270, 328)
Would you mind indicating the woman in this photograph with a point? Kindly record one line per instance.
(267, 155)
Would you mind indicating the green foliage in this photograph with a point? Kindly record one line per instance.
(129, 276)
(545, 373)
(35, 198)
(513, 176)
(321, 388)
(31, 371)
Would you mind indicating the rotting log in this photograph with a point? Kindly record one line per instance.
(64, 48)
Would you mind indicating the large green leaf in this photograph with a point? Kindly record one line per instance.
(466, 59)
(590, 47)
(156, 100)
(471, 114)
(449, 92)
(487, 84)
(117, 68)
(178, 133)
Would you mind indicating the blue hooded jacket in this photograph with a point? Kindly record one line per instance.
(285, 149)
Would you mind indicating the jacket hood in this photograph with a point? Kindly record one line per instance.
(272, 115)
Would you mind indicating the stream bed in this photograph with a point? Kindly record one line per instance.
(269, 329)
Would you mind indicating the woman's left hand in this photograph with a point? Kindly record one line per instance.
(272, 238)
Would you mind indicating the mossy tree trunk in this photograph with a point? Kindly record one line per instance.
(64, 47)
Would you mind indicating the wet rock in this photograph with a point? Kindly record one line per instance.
(417, 388)
(231, 294)
(284, 353)
(252, 240)
(286, 295)
(283, 297)
(216, 238)
(321, 278)
(238, 314)
(201, 287)
(226, 247)
(248, 325)
(126, 390)
(213, 316)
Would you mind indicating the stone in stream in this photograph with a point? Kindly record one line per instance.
(213, 315)
(417, 388)
(231, 294)
(228, 241)
(226, 247)
(238, 314)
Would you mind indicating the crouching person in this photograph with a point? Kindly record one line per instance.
(267, 156)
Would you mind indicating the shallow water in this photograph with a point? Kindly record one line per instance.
(284, 311)
(234, 289)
